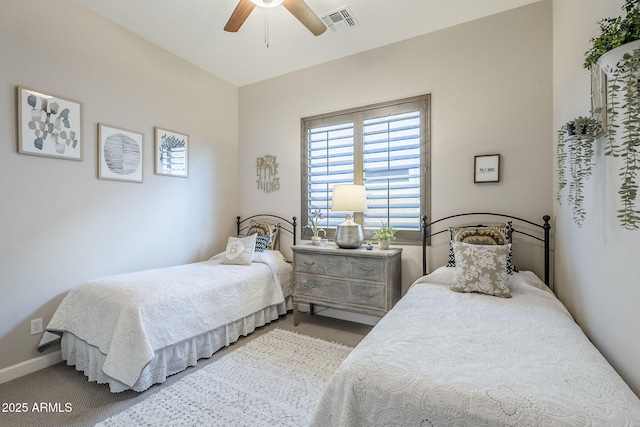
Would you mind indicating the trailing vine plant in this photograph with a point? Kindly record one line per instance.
(575, 147)
(623, 116)
(627, 81)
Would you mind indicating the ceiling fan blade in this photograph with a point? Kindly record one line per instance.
(239, 15)
(306, 16)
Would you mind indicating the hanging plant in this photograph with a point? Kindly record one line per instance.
(614, 32)
(627, 84)
(575, 148)
(616, 51)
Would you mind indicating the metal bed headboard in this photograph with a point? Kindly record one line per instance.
(545, 227)
(291, 228)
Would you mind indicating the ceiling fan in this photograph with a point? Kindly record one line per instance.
(298, 8)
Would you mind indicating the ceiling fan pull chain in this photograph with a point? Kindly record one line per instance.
(266, 26)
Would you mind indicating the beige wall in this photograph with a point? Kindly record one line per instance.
(59, 224)
(491, 89)
(596, 265)
(492, 93)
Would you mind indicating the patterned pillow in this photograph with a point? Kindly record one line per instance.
(481, 268)
(262, 242)
(240, 250)
(500, 234)
(265, 229)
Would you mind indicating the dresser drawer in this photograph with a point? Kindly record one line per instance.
(358, 280)
(340, 266)
(341, 291)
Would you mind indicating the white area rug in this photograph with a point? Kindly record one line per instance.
(274, 380)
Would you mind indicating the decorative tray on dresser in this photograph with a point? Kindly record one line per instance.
(358, 280)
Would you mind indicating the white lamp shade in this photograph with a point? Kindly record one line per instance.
(349, 198)
(267, 3)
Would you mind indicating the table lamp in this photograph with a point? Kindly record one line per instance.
(349, 198)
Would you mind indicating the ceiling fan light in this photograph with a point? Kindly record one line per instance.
(267, 3)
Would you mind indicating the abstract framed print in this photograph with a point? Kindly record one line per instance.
(119, 154)
(172, 153)
(49, 125)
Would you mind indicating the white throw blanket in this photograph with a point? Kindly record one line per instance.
(130, 316)
(454, 359)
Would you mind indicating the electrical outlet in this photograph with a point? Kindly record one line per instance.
(36, 326)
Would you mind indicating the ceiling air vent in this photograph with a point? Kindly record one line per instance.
(340, 20)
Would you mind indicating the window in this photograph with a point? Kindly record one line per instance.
(383, 146)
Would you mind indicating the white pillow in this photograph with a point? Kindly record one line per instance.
(481, 268)
(240, 250)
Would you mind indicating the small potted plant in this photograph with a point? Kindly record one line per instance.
(384, 234)
(575, 147)
(315, 216)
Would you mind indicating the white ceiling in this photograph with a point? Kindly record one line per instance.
(193, 30)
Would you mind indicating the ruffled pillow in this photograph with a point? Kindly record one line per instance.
(240, 250)
(265, 229)
(500, 234)
(481, 268)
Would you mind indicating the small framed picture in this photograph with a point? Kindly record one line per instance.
(172, 153)
(119, 154)
(49, 125)
(487, 168)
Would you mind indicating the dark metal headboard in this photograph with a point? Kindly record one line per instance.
(291, 229)
(427, 233)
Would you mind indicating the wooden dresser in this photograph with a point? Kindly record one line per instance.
(359, 280)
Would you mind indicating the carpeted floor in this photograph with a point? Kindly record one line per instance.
(71, 401)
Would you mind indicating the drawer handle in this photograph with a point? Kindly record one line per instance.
(364, 294)
(367, 269)
(309, 263)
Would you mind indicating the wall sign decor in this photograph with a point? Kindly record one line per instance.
(267, 171)
(172, 153)
(49, 125)
(119, 154)
(487, 168)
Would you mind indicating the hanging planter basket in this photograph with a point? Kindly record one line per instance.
(610, 60)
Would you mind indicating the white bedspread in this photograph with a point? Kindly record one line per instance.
(130, 316)
(441, 358)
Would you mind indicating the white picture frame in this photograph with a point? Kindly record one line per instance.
(120, 154)
(171, 153)
(49, 125)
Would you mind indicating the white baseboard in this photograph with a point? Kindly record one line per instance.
(29, 366)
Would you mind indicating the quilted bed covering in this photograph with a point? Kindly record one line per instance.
(443, 358)
(130, 316)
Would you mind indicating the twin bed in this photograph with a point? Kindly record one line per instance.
(134, 330)
(458, 350)
(474, 343)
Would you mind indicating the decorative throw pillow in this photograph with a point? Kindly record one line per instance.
(265, 229)
(262, 243)
(240, 250)
(500, 234)
(481, 268)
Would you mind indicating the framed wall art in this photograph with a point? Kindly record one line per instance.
(49, 125)
(487, 168)
(119, 154)
(172, 153)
